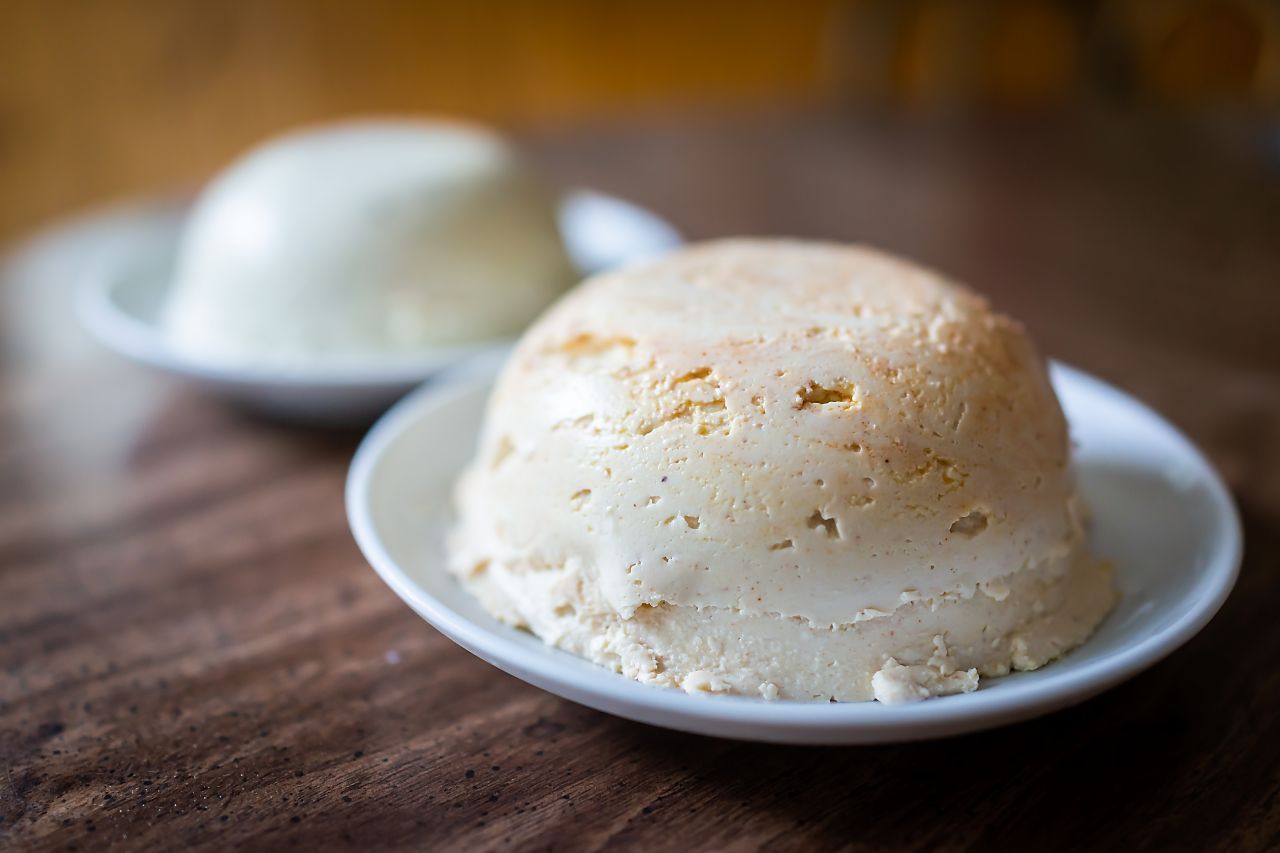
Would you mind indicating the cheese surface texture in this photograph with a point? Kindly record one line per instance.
(781, 469)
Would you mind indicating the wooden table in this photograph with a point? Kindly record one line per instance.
(194, 653)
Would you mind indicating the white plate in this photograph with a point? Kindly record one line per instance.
(1160, 513)
(122, 290)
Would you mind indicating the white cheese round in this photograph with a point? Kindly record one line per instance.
(362, 241)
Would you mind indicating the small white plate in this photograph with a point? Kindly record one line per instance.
(1160, 513)
(122, 291)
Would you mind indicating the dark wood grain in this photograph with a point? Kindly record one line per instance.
(194, 654)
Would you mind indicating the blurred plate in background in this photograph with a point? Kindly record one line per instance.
(123, 289)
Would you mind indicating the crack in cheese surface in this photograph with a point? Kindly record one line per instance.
(783, 469)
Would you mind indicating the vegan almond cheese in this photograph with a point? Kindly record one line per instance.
(361, 241)
(785, 470)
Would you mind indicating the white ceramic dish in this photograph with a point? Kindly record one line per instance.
(123, 288)
(1160, 513)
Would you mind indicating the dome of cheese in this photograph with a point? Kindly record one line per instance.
(365, 240)
(781, 469)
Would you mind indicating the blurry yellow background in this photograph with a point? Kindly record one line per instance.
(103, 99)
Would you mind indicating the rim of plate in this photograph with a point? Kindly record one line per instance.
(1015, 700)
(106, 273)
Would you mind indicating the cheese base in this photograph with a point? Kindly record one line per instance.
(920, 649)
